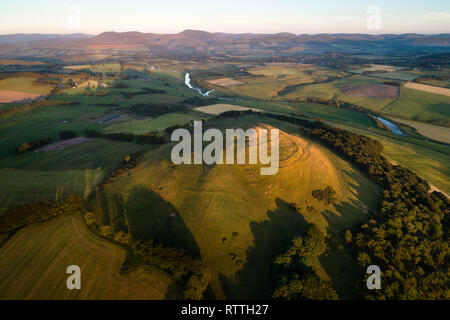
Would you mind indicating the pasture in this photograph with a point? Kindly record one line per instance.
(24, 85)
(20, 187)
(420, 106)
(428, 88)
(155, 124)
(332, 91)
(33, 266)
(431, 131)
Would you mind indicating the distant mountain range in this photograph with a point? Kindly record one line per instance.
(193, 41)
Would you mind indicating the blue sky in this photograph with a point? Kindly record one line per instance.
(236, 16)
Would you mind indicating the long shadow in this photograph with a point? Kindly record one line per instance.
(338, 262)
(150, 217)
(256, 280)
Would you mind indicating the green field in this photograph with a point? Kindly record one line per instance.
(34, 263)
(24, 84)
(20, 187)
(420, 106)
(437, 133)
(156, 124)
(44, 122)
(428, 160)
(331, 91)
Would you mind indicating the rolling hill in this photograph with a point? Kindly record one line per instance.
(195, 41)
(236, 219)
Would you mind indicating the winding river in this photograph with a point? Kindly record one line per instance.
(187, 81)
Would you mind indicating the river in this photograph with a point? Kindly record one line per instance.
(392, 126)
(187, 81)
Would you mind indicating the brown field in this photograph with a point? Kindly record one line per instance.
(371, 90)
(217, 109)
(225, 82)
(61, 145)
(7, 96)
(33, 266)
(427, 88)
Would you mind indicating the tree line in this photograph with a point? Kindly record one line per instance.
(146, 138)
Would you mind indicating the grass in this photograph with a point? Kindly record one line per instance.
(331, 113)
(44, 122)
(331, 91)
(24, 84)
(20, 187)
(156, 124)
(100, 153)
(437, 133)
(265, 82)
(106, 68)
(428, 160)
(420, 106)
(35, 259)
(216, 202)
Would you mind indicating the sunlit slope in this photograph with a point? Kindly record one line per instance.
(237, 219)
(33, 266)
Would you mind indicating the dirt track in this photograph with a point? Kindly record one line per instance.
(61, 145)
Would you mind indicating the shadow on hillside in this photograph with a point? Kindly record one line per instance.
(256, 279)
(150, 217)
(340, 266)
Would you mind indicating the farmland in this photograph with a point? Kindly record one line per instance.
(93, 136)
(34, 263)
(21, 186)
(420, 106)
(427, 88)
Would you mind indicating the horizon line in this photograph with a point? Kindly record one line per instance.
(231, 33)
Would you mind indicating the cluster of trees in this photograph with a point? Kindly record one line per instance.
(67, 134)
(35, 104)
(32, 145)
(155, 109)
(296, 277)
(38, 212)
(52, 81)
(146, 138)
(129, 95)
(188, 273)
(328, 195)
(408, 237)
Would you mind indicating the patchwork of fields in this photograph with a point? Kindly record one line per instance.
(236, 220)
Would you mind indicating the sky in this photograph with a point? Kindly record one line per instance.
(233, 16)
